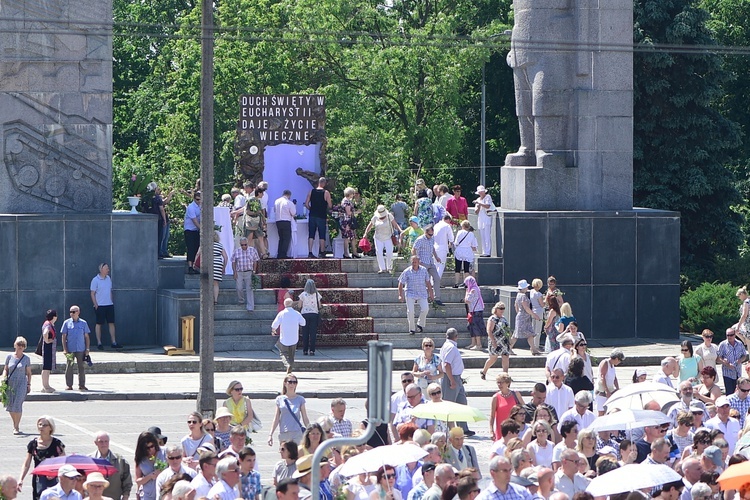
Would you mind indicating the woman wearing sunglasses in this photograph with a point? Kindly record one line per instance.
(291, 414)
(385, 488)
(195, 437)
(239, 405)
(147, 452)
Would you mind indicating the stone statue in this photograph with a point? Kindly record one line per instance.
(542, 75)
(573, 76)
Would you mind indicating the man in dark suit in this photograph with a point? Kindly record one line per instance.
(461, 455)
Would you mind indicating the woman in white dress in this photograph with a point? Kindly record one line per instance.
(484, 222)
(464, 246)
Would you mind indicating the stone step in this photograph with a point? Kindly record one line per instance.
(267, 342)
(371, 296)
(331, 280)
(268, 311)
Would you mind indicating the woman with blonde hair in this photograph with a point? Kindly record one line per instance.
(540, 448)
(498, 331)
(310, 300)
(502, 403)
(46, 445)
(238, 405)
(587, 446)
(427, 366)
(17, 374)
(349, 223)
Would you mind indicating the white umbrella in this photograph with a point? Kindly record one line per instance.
(635, 396)
(372, 460)
(624, 420)
(631, 478)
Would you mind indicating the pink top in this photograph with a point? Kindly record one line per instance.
(458, 208)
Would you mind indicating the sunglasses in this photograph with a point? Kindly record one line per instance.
(708, 336)
(429, 345)
(501, 308)
(175, 458)
(744, 390)
(192, 421)
(151, 446)
(730, 334)
(389, 476)
(435, 393)
(73, 312)
(238, 389)
(209, 429)
(408, 381)
(293, 382)
(684, 350)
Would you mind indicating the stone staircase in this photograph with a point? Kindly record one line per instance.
(358, 305)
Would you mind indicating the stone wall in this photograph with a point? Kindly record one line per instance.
(56, 102)
(49, 261)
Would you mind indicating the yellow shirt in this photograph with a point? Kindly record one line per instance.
(238, 410)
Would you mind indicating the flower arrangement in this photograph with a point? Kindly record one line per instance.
(138, 185)
(70, 358)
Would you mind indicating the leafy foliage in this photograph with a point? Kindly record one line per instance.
(711, 305)
(681, 142)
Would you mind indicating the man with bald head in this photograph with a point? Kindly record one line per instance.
(121, 482)
(691, 471)
(444, 476)
(546, 478)
(501, 487)
(668, 367)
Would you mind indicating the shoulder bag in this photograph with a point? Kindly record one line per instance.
(288, 407)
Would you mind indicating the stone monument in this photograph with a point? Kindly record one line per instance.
(56, 219)
(567, 193)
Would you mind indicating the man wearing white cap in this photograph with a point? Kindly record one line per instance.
(64, 489)
(484, 222)
(723, 422)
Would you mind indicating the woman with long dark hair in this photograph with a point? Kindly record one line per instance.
(49, 349)
(147, 452)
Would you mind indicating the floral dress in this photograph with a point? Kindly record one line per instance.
(347, 221)
(524, 328)
(423, 365)
(501, 332)
(745, 327)
(424, 212)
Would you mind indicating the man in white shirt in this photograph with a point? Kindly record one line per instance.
(286, 326)
(398, 398)
(580, 411)
(559, 358)
(453, 367)
(206, 477)
(726, 424)
(228, 473)
(668, 367)
(285, 212)
(443, 239)
(559, 396)
(567, 478)
(174, 466)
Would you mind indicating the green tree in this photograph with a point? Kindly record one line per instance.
(681, 141)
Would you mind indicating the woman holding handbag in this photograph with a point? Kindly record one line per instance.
(475, 313)
(49, 349)
(384, 226)
(310, 300)
(291, 414)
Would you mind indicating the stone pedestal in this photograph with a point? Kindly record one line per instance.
(619, 269)
(48, 262)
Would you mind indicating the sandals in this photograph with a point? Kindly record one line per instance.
(483, 375)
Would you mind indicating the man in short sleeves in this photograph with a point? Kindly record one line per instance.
(101, 296)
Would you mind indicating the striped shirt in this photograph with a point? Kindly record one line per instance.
(733, 354)
(424, 247)
(415, 282)
(741, 405)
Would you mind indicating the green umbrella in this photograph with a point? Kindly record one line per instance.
(447, 411)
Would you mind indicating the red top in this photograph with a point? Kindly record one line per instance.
(502, 410)
(458, 208)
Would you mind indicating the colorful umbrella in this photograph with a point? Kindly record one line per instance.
(50, 466)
